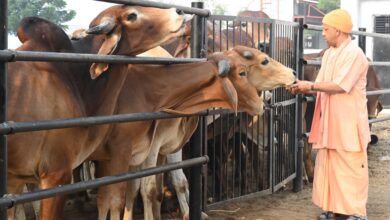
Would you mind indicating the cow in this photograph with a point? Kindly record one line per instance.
(259, 32)
(218, 39)
(228, 80)
(58, 90)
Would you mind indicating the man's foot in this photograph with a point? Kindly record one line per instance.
(326, 215)
(357, 217)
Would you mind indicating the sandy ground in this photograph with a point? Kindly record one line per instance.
(288, 205)
(297, 206)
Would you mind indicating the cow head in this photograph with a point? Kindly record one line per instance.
(130, 30)
(250, 71)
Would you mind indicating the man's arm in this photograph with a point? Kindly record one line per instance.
(303, 86)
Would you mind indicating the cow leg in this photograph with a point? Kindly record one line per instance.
(34, 206)
(15, 187)
(156, 203)
(149, 188)
(51, 208)
(180, 183)
(132, 190)
(111, 198)
(308, 109)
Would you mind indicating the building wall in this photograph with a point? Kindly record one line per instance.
(363, 12)
(276, 9)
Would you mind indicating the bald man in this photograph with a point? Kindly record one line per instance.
(340, 129)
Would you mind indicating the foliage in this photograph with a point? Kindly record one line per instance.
(53, 10)
(328, 5)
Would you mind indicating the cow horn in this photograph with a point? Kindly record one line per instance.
(223, 68)
(102, 28)
(247, 54)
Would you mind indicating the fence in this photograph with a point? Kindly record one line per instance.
(10, 128)
(275, 154)
(252, 156)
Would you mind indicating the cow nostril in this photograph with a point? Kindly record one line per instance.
(179, 12)
(295, 73)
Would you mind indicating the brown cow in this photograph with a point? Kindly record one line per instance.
(218, 39)
(44, 91)
(183, 88)
(259, 32)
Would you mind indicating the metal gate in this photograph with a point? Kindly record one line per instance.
(251, 156)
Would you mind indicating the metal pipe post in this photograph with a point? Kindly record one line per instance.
(362, 40)
(196, 139)
(3, 104)
(299, 119)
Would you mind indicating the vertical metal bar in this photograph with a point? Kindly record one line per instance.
(271, 124)
(362, 40)
(220, 148)
(196, 139)
(3, 104)
(299, 117)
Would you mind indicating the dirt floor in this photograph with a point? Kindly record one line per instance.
(289, 205)
(297, 206)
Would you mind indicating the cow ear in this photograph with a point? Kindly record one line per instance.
(108, 47)
(231, 92)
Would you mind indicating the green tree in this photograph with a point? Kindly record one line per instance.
(328, 5)
(52, 10)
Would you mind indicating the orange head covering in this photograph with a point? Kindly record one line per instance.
(339, 19)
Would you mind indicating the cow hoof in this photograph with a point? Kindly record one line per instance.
(204, 216)
(374, 139)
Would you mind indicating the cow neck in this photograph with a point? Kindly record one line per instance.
(99, 95)
(179, 87)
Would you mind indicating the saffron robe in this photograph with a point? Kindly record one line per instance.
(340, 131)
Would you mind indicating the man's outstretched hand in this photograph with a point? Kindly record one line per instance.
(301, 86)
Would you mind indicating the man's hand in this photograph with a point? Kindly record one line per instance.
(301, 86)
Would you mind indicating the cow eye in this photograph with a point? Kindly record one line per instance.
(265, 62)
(132, 17)
(243, 73)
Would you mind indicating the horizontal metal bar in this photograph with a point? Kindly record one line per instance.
(309, 99)
(375, 120)
(368, 34)
(12, 55)
(16, 127)
(378, 92)
(258, 194)
(284, 182)
(284, 103)
(371, 63)
(370, 121)
(188, 10)
(9, 201)
(242, 19)
(376, 63)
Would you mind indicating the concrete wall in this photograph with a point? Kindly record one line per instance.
(276, 9)
(363, 12)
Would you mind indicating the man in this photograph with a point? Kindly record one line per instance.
(340, 128)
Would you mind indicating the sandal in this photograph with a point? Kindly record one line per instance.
(326, 215)
(356, 217)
